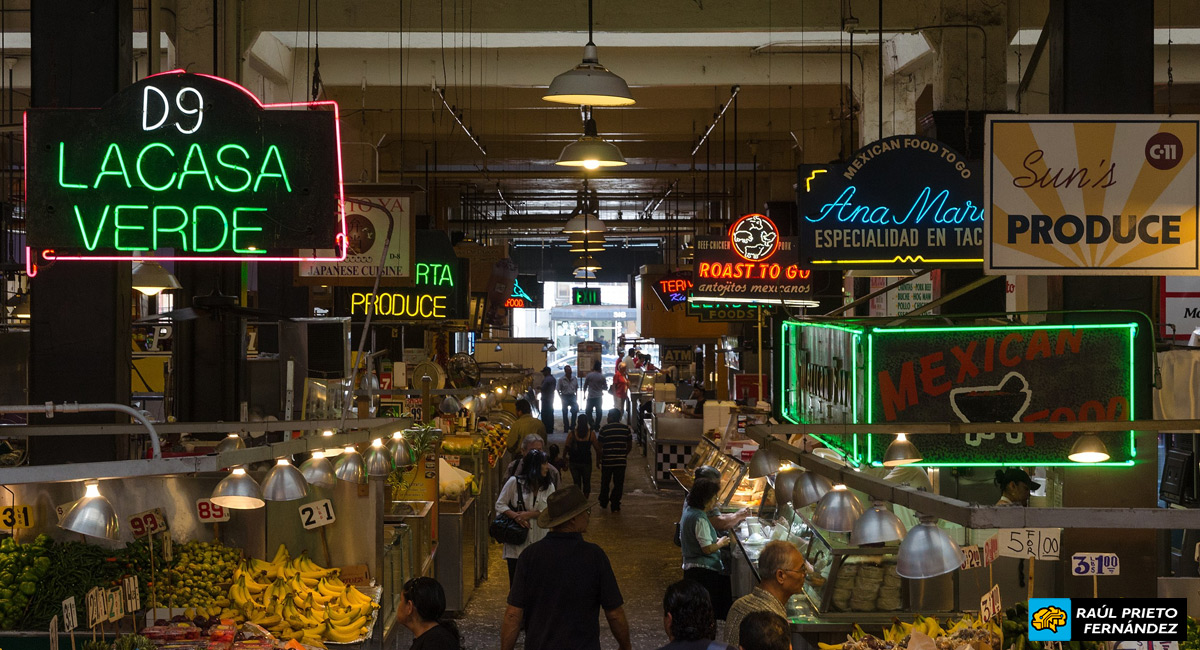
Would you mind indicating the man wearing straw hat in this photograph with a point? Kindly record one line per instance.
(563, 612)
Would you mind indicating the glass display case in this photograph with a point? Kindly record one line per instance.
(852, 579)
(418, 516)
(397, 569)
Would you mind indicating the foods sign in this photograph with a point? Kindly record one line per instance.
(187, 167)
(752, 264)
(1109, 195)
(901, 202)
(1048, 373)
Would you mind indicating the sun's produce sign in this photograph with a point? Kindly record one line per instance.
(187, 167)
(1047, 373)
(1092, 194)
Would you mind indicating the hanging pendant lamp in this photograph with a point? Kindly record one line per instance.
(901, 452)
(809, 489)
(284, 482)
(93, 515)
(878, 525)
(927, 551)
(238, 491)
(401, 456)
(763, 462)
(591, 151)
(377, 460)
(1089, 449)
(838, 510)
(589, 83)
(151, 278)
(318, 471)
(350, 467)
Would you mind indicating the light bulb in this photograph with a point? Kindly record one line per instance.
(350, 450)
(282, 461)
(591, 164)
(318, 454)
(397, 435)
(500, 390)
(327, 433)
(150, 291)
(91, 490)
(377, 443)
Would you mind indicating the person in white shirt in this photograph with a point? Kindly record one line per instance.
(531, 487)
(568, 389)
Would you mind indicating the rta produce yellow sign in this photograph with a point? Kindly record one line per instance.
(1091, 195)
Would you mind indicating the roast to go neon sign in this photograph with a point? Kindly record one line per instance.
(186, 167)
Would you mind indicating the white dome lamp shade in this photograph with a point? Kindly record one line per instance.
(151, 278)
(809, 489)
(350, 466)
(584, 223)
(877, 526)
(589, 83)
(93, 515)
(238, 491)
(838, 510)
(284, 482)
(591, 151)
(927, 552)
(378, 460)
(1089, 449)
(901, 452)
(318, 471)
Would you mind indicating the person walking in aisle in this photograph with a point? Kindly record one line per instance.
(782, 569)
(549, 385)
(422, 604)
(561, 609)
(702, 547)
(528, 444)
(620, 387)
(523, 498)
(613, 446)
(688, 618)
(525, 424)
(596, 385)
(568, 387)
(579, 455)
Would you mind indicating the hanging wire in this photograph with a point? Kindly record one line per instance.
(967, 77)
(1020, 75)
(317, 85)
(1170, 70)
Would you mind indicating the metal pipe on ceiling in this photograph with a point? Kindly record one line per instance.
(704, 138)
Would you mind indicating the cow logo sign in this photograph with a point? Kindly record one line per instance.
(754, 237)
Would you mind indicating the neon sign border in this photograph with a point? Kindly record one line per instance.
(790, 413)
(340, 239)
(1132, 334)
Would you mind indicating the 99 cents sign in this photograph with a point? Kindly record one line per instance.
(148, 523)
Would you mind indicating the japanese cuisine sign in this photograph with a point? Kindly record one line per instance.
(186, 167)
(1087, 194)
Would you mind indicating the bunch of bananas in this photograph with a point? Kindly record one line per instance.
(294, 598)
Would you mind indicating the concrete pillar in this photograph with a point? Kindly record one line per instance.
(1101, 61)
(971, 55)
(80, 341)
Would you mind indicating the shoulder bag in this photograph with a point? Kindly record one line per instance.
(505, 529)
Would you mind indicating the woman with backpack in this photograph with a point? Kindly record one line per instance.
(522, 499)
(579, 454)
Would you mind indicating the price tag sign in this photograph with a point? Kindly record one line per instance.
(972, 557)
(991, 550)
(95, 606)
(210, 513)
(16, 517)
(1036, 543)
(168, 547)
(148, 523)
(1095, 564)
(316, 514)
(114, 604)
(990, 604)
(63, 509)
(133, 596)
(54, 632)
(70, 618)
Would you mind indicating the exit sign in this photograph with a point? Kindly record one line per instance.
(585, 295)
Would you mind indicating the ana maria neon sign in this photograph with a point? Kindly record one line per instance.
(185, 167)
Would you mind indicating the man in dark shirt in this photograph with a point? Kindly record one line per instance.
(549, 384)
(559, 611)
(612, 446)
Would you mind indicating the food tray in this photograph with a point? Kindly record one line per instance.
(374, 592)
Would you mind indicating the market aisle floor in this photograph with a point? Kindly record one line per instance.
(638, 543)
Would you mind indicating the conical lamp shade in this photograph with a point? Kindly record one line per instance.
(377, 460)
(151, 278)
(927, 551)
(238, 491)
(580, 224)
(589, 84)
(901, 452)
(350, 467)
(809, 489)
(877, 526)
(232, 442)
(763, 462)
(838, 510)
(318, 471)
(591, 152)
(785, 483)
(401, 455)
(1089, 449)
(284, 483)
(92, 515)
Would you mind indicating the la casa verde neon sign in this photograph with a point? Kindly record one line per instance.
(185, 167)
